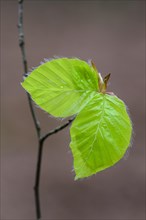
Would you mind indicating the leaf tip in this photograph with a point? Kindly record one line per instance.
(76, 178)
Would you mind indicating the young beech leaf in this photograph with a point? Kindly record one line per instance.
(62, 87)
(101, 132)
(100, 135)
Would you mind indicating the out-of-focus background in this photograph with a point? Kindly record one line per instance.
(112, 34)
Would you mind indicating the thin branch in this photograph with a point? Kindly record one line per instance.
(37, 204)
(24, 60)
(39, 162)
(38, 168)
(36, 122)
(59, 128)
(41, 139)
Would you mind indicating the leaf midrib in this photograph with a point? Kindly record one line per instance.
(102, 112)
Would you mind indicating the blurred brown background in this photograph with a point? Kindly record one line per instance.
(112, 34)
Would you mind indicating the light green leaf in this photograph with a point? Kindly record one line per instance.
(62, 87)
(100, 135)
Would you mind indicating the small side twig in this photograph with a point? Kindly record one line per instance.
(59, 128)
(42, 138)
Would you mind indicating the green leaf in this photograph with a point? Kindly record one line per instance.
(62, 87)
(100, 135)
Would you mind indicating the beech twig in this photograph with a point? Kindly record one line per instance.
(59, 128)
(41, 138)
